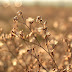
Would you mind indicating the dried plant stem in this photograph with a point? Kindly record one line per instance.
(40, 63)
(30, 30)
(38, 60)
(36, 45)
(33, 34)
(51, 56)
(39, 46)
(45, 51)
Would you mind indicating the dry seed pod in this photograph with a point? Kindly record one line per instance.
(45, 29)
(27, 36)
(39, 19)
(13, 31)
(48, 33)
(45, 24)
(13, 35)
(29, 51)
(52, 53)
(19, 13)
(21, 33)
(53, 42)
(31, 33)
(15, 18)
(29, 21)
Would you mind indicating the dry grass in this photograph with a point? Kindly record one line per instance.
(31, 46)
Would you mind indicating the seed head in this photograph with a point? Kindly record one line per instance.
(15, 18)
(39, 19)
(19, 13)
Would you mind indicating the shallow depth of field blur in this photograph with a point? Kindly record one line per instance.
(59, 23)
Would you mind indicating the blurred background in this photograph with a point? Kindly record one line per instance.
(56, 12)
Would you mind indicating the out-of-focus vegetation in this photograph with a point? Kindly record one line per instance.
(18, 55)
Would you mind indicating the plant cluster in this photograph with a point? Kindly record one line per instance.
(33, 49)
